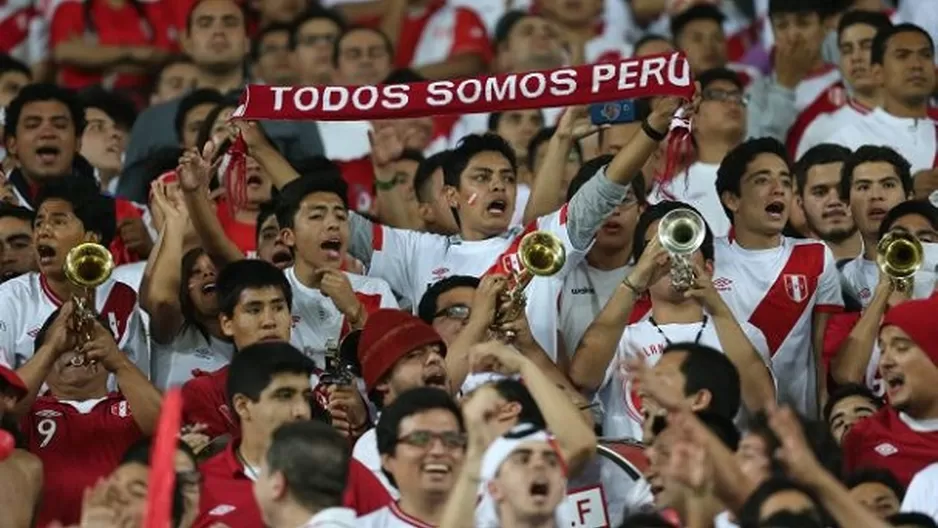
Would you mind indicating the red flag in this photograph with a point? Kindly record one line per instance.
(162, 462)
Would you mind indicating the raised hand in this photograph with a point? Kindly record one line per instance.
(386, 147)
(492, 354)
(195, 168)
(336, 285)
(173, 213)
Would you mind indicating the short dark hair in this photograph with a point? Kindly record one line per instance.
(513, 391)
(424, 175)
(265, 211)
(590, 168)
(411, 155)
(919, 520)
(414, 401)
(336, 50)
(43, 331)
(649, 38)
(721, 427)
(505, 24)
(248, 274)
(707, 368)
(821, 154)
(495, 118)
(205, 131)
(656, 212)
(846, 391)
(16, 211)
(713, 75)
(692, 14)
(875, 154)
(646, 520)
(470, 146)
(293, 194)
(314, 460)
(403, 76)
(195, 5)
(922, 208)
(253, 368)
(191, 100)
(95, 211)
(258, 40)
(140, 453)
(118, 107)
(159, 162)
(9, 64)
(877, 20)
(733, 167)
(883, 36)
(315, 12)
(779, 7)
(427, 308)
(749, 514)
(874, 475)
(41, 92)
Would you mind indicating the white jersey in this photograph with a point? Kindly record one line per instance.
(390, 516)
(920, 496)
(586, 291)
(825, 126)
(25, 31)
(696, 186)
(861, 276)
(366, 452)
(915, 139)
(778, 290)
(316, 318)
(412, 261)
(190, 350)
(814, 86)
(130, 274)
(646, 341)
(28, 302)
(345, 140)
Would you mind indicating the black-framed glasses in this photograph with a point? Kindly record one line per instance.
(712, 94)
(449, 439)
(457, 311)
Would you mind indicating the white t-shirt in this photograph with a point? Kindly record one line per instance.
(174, 363)
(696, 186)
(28, 302)
(412, 261)
(130, 274)
(623, 413)
(915, 139)
(316, 318)
(366, 452)
(345, 140)
(861, 276)
(922, 492)
(778, 290)
(586, 291)
(825, 126)
(390, 516)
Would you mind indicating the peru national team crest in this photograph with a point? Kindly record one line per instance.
(796, 286)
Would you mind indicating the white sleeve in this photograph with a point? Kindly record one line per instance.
(394, 258)
(757, 338)
(135, 343)
(8, 327)
(612, 369)
(388, 300)
(830, 296)
(816, 132)
(921, 494)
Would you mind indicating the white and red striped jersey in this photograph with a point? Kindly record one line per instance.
(815, 85)
(391, 516)
(821, 129)
(412, 261)
(441, 32)
(779, 290)
(646, 341)
(747, 74)
(915, 139)
(28, 302)
(316, 318)
(829, 101)
(24, 32)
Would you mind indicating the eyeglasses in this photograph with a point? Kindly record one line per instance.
(449, 439)
(459, 312)
(725, 96)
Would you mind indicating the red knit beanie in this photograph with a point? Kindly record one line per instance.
(388, 336)
(917, 319)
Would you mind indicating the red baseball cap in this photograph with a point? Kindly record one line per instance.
(12, 381)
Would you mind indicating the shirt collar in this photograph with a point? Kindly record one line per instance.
(332, 517)
(507, 235)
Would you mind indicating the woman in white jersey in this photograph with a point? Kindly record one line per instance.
(698, 316)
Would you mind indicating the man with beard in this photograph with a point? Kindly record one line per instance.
(902, 436)
(421, 440)
(827, 215)
(21, 475)
(397, 352)
(79, 429)
(16, 241)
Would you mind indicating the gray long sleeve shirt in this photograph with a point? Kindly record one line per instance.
(771, 111)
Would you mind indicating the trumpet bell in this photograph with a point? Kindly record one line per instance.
(88, 265)
(681, 232)
(542, 253)
(899, 255)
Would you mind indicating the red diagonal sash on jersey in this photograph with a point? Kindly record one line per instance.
(790, 295)
(505, 263)
(370, 302)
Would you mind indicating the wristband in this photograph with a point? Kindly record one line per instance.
(628, 284)
(385, 185)
(652, 133)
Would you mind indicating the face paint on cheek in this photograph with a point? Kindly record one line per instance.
(473, 199)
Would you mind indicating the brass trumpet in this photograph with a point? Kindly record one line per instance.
(87, 266)
(540, 254)
(899, 255)
(681, 233)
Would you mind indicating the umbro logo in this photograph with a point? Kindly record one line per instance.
(48, 413)
(723, 284)
(222, 509)
(886, 449)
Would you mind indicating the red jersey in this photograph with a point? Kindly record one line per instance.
(892, 441)
(205, 401)
(228, 497)
(78, 443)
(244, 235)
(359, 174)
(148, 25)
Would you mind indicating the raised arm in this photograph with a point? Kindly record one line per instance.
(850, 363)
(159, 291)
(34, 372)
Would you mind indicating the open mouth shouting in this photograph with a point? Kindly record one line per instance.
(894, 383)
(540, 489)
(333, 248)
(254, 179)
(776, 210)
(435, 378)
(48, 155)
(497, 208)
(282, 258)
(45, 254)
(208, 288)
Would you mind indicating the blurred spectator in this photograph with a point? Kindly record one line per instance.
(173, 79)
(312, 43)
(16, 241)
(581, 29)
(518, 127)
(26, 35)
(362, 56)
(698, 32)
(14, 75)
(428, 186)
(110, 116)
(191, 114)
(270, 56)
(876, 489)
